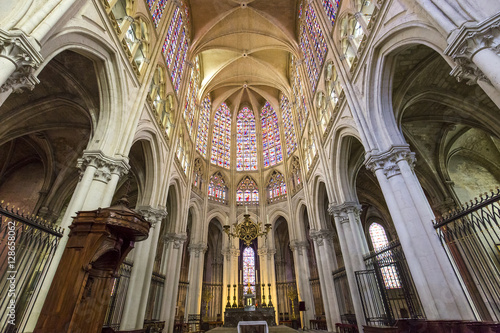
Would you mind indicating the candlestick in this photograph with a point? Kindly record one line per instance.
(228, 304)
(234, 297)
(263, 295)
(270, 304)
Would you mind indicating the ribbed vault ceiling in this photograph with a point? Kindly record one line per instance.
(244, 48)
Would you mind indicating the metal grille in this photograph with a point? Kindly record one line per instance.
(386, 287)
(155, 296)
(284, 303)
(471, 238)
(27, 246)
(118, 296)
(318, 299)
(344, 299)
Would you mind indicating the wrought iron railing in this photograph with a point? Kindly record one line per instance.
(153, 307)
(27, 246)
(386, 287)
(471, 237)
(344, 300)
(118, 296)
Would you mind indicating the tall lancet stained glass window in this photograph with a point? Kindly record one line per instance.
(271, 143)
(379, 241)
(221, 140)
(158, 12)
(312, 43)
(248, 269)
(286, 111)
(246, 142)
(203, 123)
(247, 192)
(331, 7)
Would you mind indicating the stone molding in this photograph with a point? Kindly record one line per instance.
(176, 239)
(388, 161)
(152, 215)
(23, 52)
(299, 246)
(197, 249)
(105, 165)
(320, 236)
(469, 40)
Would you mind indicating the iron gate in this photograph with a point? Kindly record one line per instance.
(471, 238)
(386, 287)
(27, 246)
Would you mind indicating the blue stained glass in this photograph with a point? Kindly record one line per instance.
(248, 269)
(271, 143)
(221, 140)
(331, 8)
(246, 142)
(286, 111)
(158, 12)
(202, 137)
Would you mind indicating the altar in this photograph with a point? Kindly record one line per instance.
(232, 316)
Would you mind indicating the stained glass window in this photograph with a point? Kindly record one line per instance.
(246, 141)
(221, 140)
(298, 91)
(295, 177)
(191, 96)
(175, 47)
(203, 123)
(158, 12)
(331, 7)
(286, 111)
(271, 143)
(313, 44)
(247, 192)
(379, 241)
(198, 174)
(276, 187)
(217, 189)
(150, 4)
(248, 269)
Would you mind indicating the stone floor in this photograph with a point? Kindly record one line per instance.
(272, 329)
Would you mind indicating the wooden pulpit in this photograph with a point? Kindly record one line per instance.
(98, 243)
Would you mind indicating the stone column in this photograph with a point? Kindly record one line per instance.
(323, 248)
(353, 247)
(171, 267)
(196, 264)
(94, 176)
(140, 278)
(19, 58)
(302, 273)
(438, 287)
(226, 278)
(476, 51)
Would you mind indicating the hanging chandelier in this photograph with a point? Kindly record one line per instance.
(247, 230)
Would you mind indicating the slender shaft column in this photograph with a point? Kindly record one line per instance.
(302, 273)
(196, 264)
(94, 169)
(226, 272)
(346, 219)
(171, 267)
(437, 285)
(324, 257)
(140, 278)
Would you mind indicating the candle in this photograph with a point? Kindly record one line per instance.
(267, 218)
(246, 209)
(241, 276)
(256, 277)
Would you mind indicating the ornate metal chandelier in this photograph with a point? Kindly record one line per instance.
(247, 230)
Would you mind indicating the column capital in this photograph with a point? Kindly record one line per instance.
(152, 215)
(388, 160)
(299, 246)
(23, 51)
(176, 239)
(347, 207)
(320, 236)
(197, 249)
(105, 165)
(470, 39)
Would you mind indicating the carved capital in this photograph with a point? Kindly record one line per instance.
(24, 53)
(470, 39)
(176, 239)
(320, 236)
(388, 161)
(105, 165)
(197, 249)
(345, 208)
(299, 246)
(152, 215)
